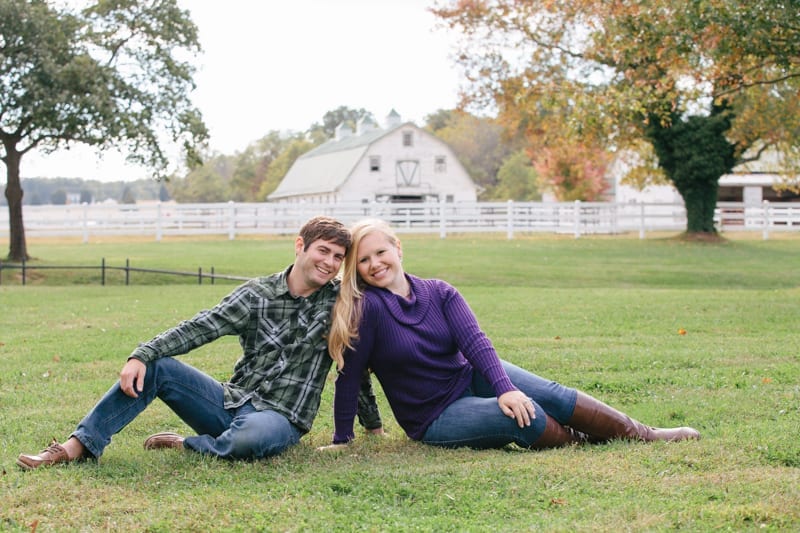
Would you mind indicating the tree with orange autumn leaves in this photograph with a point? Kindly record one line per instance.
(695, 87)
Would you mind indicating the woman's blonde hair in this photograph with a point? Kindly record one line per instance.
(347, 310)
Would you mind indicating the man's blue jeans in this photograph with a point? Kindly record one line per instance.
(476, 421)
(198, 400)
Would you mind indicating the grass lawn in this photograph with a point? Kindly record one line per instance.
(602, 314)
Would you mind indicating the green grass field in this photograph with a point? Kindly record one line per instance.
(600, 314)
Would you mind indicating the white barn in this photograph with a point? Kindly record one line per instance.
(398, 163)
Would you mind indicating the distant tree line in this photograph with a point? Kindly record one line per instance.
(62, 191)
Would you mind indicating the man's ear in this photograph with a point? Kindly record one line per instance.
(298, 245)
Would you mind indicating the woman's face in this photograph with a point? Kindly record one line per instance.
(378, 262)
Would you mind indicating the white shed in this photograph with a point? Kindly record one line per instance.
(398, 163)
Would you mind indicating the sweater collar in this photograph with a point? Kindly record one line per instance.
(409, 311)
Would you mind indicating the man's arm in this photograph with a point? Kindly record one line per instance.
(369, 415)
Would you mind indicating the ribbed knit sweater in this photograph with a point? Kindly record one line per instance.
(423, 350)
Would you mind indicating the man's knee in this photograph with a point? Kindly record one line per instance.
(263, 435)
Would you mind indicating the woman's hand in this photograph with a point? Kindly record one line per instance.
(331, 447)
(516, 405)
(334, 447)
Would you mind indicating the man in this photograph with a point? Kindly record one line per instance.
(273, 396)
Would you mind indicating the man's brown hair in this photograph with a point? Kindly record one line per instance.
(327, 229)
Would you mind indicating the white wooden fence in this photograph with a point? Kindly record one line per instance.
(509, 218)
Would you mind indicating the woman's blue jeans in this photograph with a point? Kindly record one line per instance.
(240, 433)
(476, 421)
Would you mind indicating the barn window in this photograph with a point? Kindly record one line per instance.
(440, 164)
(408, 139)
(375, 163)
(407, 173)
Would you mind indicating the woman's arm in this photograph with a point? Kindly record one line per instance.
(349, 382)
(480, 352)
(473, 342)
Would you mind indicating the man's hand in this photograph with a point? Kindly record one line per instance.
(131, 378)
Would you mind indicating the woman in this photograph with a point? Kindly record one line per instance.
(440, 373)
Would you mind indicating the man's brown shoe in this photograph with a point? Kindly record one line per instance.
(53, 454)
(166, 439)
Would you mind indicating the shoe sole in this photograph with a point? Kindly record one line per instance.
(159, 436)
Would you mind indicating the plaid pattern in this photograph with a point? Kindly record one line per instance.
(284, 361)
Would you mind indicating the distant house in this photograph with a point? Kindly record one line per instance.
(398, 163)
(750, 183)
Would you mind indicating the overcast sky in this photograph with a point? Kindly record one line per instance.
(282, 64)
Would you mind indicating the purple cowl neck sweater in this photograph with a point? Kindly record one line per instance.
(422, 350)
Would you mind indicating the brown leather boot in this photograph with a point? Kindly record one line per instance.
(555, 435)
(603, 423)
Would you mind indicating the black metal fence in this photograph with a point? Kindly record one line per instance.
(25, 269)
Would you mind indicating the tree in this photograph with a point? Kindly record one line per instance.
(573, 171)
(319, 133)
(478, 143)
(252, 165)
(205, 184)
(128, 197)
(517, 179)
(110, 75)
(163, 193)
(59, 197)
(708, 84)
(282, 163)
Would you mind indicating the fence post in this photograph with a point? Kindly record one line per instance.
(159, 229)
(510, 220)
(24, 273)
(577, 213)
(442, 221)
(103, 272)
(231, 220)
(199, 275)
(765, 213)
(127, 271)
(1, 271)
(85, 222)
(641, 220)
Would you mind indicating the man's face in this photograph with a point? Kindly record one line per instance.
(316, 265)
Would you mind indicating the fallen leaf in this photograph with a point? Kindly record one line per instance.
(681, 331)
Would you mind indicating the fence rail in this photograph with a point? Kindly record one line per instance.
(235, 219)
(25, 269)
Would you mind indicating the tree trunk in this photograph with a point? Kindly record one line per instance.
(694, 153)
(18, 249)
(700, 201)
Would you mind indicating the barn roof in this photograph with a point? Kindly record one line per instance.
(325, 168)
